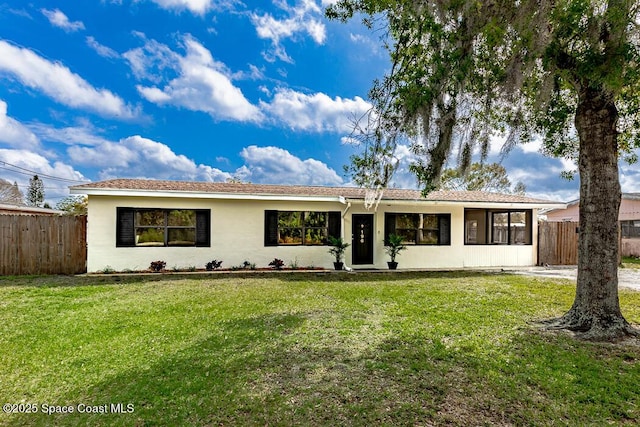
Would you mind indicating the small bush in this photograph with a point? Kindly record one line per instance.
(246, 265)
(157, 266)
(277, 264)
(213, 265)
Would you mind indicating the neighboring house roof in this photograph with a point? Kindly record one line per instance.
(27, 210)
(141, 187)
(629, 209)
(624, 196)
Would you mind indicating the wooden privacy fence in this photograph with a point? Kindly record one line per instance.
(39, 244)
(557, 243)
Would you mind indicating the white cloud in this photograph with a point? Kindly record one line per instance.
(153, 94)
(151, 61)
(30, 161)
(102, 50)
(317, 112)
(302, 18)
(58, 19)
(14, 133)
(278, 166)
(72, 135)
(202, 84)
(136, 156)
(59, 83)
(198, 7)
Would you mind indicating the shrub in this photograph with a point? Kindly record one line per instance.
(248, 265)
(277, 264)
(157, 266)
(213, 265)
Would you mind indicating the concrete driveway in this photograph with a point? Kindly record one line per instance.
(627, 277)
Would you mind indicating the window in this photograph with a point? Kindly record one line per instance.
(419, 228)
(498, 227)
(308, 228)
(162, 227)
(630, 229)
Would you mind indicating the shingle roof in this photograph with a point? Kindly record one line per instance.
(297, 190)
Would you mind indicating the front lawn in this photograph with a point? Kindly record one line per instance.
(630, 262)
(306, 349)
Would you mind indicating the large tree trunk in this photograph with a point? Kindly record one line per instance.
(595, 313)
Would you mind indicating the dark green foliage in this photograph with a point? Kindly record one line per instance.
(393, 246)
(157, 266)
(338, 247)
(213, 265)
(276, 264)
(35, 192)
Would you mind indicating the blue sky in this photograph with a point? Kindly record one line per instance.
(197, 90)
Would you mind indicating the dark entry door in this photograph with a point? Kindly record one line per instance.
(362, 239)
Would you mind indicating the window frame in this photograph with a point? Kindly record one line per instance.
(629, 229)
(272, 229)
(443, 221)
(487, 234)
(127, 227)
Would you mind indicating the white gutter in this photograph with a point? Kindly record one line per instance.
(204, 195)
(469, 204)
(344, 213)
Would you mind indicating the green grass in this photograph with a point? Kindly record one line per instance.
(314, 349)
(630, 262)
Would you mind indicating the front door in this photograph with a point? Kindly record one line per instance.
(362, 239)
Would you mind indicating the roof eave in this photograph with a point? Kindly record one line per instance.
(202, 195)
(469, 204)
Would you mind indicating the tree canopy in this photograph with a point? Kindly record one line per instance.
(480, 177)
(73, 205)
(35, 192)
(464, 72)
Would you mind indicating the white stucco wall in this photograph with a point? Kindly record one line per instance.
(237, 234)
(456, 255)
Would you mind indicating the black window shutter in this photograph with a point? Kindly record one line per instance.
(389, 226)
(271, 228)
(335, 225)
(444, 224)
(125, 228)
(203, 228)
